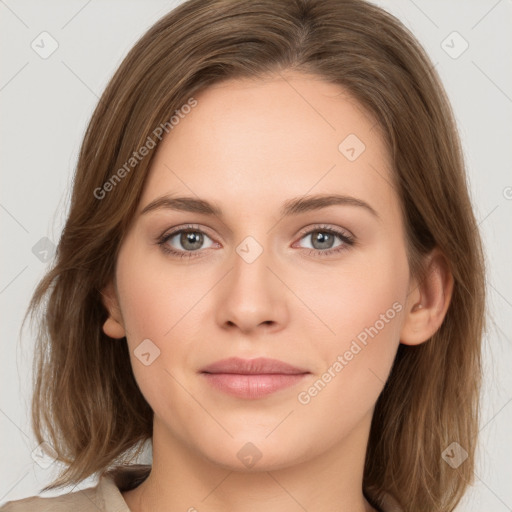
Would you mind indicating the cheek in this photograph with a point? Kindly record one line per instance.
(363, 292)
(363, 307)
(366, 316)
(154, 295)
(154, 303)
(160, 302)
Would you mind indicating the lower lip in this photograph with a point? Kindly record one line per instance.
(252, 386)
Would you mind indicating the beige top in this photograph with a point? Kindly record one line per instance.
(104, 497)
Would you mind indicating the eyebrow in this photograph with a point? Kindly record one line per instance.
(290, 207)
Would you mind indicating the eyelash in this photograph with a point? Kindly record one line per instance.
(348, 241)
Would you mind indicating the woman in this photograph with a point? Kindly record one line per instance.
(270, 269)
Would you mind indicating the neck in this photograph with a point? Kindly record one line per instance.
(182, 479)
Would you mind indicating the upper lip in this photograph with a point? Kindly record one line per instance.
(260, 365)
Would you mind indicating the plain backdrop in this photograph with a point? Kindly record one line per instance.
(47, 100)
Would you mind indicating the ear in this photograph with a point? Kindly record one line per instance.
(428, 301)
(114, 325)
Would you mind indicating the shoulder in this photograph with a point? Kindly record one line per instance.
(83, 500)
(104, 497)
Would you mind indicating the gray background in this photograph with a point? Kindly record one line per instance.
(47, 102)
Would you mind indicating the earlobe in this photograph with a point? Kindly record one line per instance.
(113, 325)
(428, 301)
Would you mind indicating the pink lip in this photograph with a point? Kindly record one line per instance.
(252, 378)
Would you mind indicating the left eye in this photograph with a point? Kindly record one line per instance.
(322, 239)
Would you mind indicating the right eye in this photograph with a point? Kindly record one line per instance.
(185, 240)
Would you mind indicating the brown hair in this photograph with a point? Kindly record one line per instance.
(86, 402)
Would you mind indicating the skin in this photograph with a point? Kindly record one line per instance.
(249, 146)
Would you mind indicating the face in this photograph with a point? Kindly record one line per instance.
(275, 272)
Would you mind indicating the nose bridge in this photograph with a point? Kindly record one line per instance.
(252, 296)
(251, 259)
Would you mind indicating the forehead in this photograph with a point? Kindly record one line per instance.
(255, 140)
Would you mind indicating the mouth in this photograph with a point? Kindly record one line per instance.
(252, 378)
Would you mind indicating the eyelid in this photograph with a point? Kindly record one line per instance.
(321, 227)
(304, 231)
(188, 227)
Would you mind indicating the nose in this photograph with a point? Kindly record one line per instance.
(252, 297)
